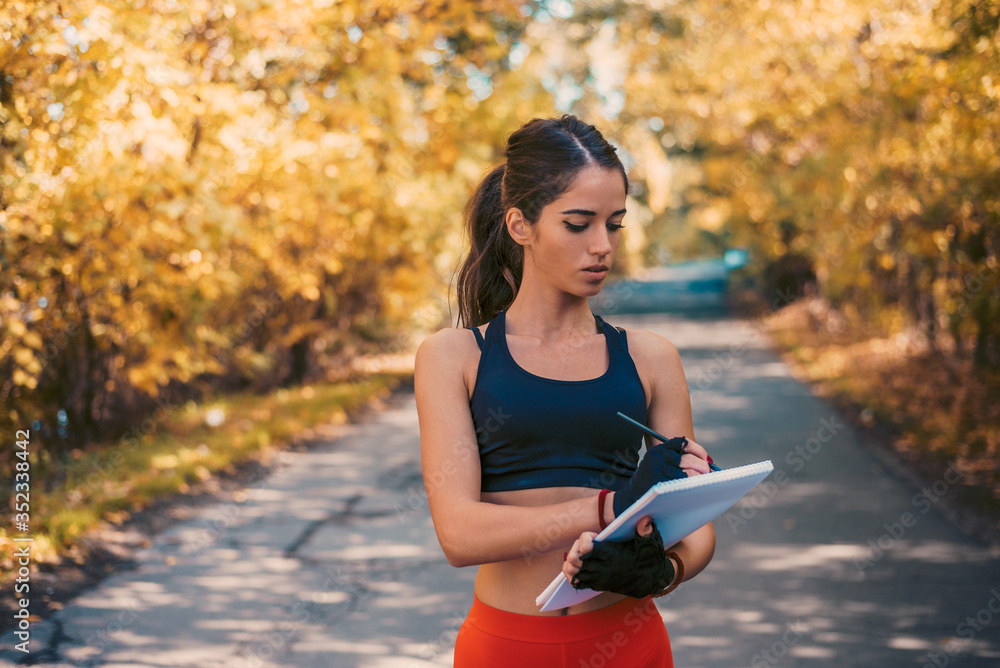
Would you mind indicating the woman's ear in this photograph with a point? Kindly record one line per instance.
(517, 226)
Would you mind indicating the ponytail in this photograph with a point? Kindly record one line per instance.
(489, 278)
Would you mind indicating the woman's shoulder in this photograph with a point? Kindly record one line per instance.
(445, 359)
(651, 348)
(448, 346)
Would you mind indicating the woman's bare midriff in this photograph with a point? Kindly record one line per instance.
(513, 585)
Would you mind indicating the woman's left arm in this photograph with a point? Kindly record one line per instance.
(670, 415)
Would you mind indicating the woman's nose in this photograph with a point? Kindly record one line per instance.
(600, 243)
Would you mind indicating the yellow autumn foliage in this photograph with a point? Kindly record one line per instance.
(204, 194)
(857, 136)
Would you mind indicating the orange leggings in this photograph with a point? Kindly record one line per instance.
(629, 633)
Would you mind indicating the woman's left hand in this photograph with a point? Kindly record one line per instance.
(585, 543)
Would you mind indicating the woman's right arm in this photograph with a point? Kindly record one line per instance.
(470, 531)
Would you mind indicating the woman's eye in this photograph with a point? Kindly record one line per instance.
(612, 227)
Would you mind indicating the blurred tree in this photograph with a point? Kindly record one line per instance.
(208, 195)
(212, 194)
(869, 128)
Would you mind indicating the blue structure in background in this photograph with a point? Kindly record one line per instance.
(695, 286)
(736, 258)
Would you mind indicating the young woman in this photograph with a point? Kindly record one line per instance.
(520, 441)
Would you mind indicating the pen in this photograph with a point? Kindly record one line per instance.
(653, 433)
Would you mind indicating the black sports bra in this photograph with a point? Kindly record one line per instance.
(541, 432)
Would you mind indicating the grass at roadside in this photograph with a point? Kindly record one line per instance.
(189, 444)
(938, 410)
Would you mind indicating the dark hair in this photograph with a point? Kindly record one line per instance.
(543, 158)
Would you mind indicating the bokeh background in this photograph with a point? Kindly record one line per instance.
(212, 208)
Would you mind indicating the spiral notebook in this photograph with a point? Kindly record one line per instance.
(677, 506)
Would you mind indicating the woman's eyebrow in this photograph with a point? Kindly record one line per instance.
(584, 212)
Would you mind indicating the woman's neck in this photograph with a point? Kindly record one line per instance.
(550, 319)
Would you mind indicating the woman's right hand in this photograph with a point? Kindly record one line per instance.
(677, 458)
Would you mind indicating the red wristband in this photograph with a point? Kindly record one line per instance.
(600, 507)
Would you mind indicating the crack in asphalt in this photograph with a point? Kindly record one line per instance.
(312, 527)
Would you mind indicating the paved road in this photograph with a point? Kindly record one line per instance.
(332, 561)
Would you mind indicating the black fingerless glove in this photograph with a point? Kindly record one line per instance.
(661, 462)
(636, 568)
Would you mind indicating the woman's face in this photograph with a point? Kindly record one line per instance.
(573, 243)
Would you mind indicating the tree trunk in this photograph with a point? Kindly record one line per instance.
(928, 306)
(986, 338)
